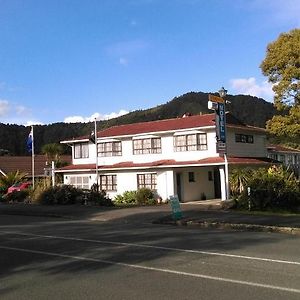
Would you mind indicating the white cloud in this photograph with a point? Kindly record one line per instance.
(21, 110)
(30, 123)
(4, 107)
(76, 119)
(249, 86)
(279, 11)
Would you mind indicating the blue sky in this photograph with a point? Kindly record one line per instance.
(72, 60)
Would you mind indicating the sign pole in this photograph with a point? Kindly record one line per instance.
(96, 148)
(32, 158)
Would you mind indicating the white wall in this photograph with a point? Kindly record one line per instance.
(168, 152)
(192, 191)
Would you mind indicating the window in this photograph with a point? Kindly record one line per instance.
(273, 156)
(108, 182)
(191, 177)
(110, 149)
(147, 181)
(190, 142)
(244, 138)
(81, 150)
(81, 182)
(146, 146)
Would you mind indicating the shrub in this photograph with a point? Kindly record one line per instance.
(99, 198)
(39, 187)
(145, 196)
(19, 196)
(128, 197)
(64, 194)
(274, 188)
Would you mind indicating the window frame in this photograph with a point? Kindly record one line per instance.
(109, 184)
(146, 146)
(113, 148)
(79, 184)
(144, 182)
(190, 142)
(244, 138)
(81, 153)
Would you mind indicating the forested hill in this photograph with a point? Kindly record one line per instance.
(250, 110)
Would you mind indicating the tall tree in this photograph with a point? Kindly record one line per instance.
(282, 66)
(52, 152)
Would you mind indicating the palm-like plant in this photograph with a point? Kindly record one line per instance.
(239, 179)
(52, 152)
(12, 178)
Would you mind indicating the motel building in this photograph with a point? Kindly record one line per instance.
(176, 156)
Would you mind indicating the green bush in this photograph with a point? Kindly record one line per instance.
(128, 197)
(3, 190)
(145, 196)
(65, 194)
(274, 188)
(19, 196)
(99, 198)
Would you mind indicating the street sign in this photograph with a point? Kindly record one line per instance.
(176, 209)
(221, 147)
(215, 99)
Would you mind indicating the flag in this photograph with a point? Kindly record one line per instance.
(29, 141)
(92, 137)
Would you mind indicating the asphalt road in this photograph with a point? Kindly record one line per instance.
(48, 258)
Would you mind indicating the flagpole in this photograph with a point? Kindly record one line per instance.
(32, 157)
(97, 179)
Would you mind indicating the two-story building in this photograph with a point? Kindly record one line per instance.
(287, 156)
(173, 156)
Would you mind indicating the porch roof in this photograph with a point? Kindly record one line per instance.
(210, 161)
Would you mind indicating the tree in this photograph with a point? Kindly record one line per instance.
(52, 152)
(11, 178)
(282, 66)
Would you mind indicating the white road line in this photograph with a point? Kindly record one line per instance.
(158, 248)
(195, 275)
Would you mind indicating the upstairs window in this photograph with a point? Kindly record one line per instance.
(81, 150)
(190, 142)
(109, 148)
(147, 146)
(244, 138)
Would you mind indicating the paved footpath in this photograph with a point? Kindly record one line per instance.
(193, 214)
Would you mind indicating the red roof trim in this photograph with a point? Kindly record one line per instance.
(172, 163)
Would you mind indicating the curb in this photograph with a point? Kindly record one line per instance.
(233, 226)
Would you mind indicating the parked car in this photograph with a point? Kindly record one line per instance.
(17, 187)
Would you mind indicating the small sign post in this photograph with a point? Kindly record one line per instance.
(176, 209)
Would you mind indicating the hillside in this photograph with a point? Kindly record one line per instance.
(250, 110)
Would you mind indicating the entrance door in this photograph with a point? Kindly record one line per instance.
(217, 183)
(178, 186)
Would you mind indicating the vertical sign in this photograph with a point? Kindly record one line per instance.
(221, 124)
(176, 209)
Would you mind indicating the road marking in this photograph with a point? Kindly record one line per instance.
(110, 262)
(158, 248)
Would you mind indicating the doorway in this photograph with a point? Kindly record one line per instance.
(217, 183)
(178, 186)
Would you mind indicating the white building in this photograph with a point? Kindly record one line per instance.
(287, 156)
(174, 156)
